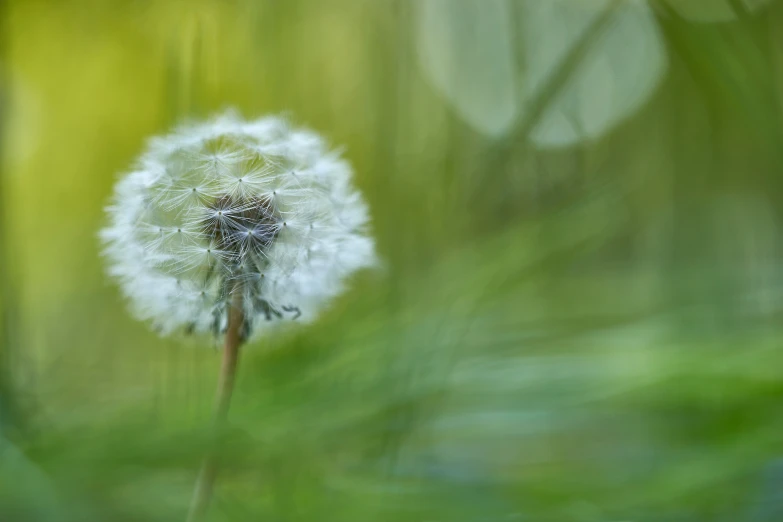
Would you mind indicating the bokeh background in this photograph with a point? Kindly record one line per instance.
(578, 317)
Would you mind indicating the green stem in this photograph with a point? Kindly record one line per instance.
(209, 468)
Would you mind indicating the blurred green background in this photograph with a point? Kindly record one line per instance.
(578, 317)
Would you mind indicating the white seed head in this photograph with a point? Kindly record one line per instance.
(232, 206)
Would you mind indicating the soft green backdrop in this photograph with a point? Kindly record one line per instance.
(581, 333)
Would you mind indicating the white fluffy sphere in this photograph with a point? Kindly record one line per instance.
(231, 206)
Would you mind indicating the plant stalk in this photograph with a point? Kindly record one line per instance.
(202, 493)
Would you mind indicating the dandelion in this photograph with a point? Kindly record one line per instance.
(257, 210)
(228, 227)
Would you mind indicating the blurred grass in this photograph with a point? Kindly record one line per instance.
(579, 334)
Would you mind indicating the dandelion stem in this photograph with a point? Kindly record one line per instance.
(209, 468)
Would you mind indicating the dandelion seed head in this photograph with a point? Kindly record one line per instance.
(229, 204)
